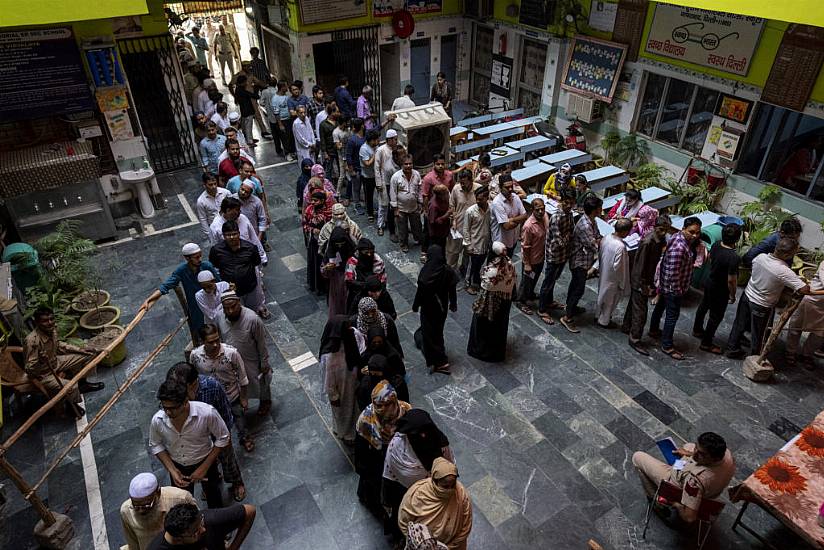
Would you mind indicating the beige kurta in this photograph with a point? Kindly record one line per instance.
(140, 530)
(809, 317)
(248, 336)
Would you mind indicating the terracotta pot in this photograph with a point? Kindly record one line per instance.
(85, 301)
(104, 338)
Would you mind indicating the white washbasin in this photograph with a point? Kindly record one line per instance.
(137, 176)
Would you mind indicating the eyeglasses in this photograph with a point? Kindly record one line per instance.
(148, 506)
(171, 409)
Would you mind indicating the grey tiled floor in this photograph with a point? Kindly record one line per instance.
(543, 442)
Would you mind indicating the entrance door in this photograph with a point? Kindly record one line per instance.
(336, 58)
(449, 57)
(390, 74)
(421, 71)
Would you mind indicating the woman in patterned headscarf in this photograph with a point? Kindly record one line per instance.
(375, 428)
(490, 322)
(369, 316)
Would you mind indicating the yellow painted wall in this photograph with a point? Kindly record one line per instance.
(450, 7)
(761, 64)
(808, 12)
(43, 12)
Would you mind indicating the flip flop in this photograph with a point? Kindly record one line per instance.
(546, 318)
(711, 349)
(640, 349)
(239, 493)
(674, 353)
(525, 309)
(569, 324)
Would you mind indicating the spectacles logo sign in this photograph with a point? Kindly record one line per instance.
(709, 41)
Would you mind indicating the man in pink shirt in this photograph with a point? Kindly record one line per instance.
(533, 250)
(438, 175)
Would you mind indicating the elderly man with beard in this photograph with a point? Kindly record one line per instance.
(385, 168)
(186, 274)
(241, 328)
(253, 208)
(143, 512)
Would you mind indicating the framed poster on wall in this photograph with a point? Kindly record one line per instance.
(593, 67)
(501, 81)
(733, 108)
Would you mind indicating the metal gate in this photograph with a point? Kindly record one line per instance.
(361, 61)
(156, 85)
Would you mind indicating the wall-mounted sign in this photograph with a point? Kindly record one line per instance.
(602, 15)
(501, 81)
(734, 108)
(728, 143)
(41, 75)
(723, 41)
(321, 11)
(386, 8)
(593, 67)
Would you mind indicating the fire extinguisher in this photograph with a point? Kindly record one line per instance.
(575, 139)
(502, 44)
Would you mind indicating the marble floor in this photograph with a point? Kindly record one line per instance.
(543, 442)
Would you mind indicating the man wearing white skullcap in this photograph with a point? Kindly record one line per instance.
(143, 512)
(186, 274)
(385, 168)
(208, 297)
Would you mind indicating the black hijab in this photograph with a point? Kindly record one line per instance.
(305, 173)
(426, 439)
(433, 271)
(365, 263)
(339, 236)
(337, 331)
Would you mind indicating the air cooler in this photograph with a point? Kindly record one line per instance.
(425, 131)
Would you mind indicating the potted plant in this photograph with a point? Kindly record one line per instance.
(100, 314)
(89, 300)
(648, 175)
(46, 294)
(105, 337)
(694, 199)
(609, 144)
(65, 255)
(630, 152)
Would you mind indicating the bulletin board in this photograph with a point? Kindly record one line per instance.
(593, 67)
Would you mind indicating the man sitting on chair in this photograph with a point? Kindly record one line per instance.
(707, 470)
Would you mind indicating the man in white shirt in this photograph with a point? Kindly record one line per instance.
(208, 297)
(613, 276)
(508, 213)
(204, 104)
(770, 275)
(405, 101)
(142, 514)
(385, 168)
(340, 136)
(252, 207)
(187, 437)
(304, 135)
(223, 363)
(208, 203)
(406, 201)
(461, 198)
(221, 116)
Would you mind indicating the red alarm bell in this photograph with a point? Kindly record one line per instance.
(403, 24)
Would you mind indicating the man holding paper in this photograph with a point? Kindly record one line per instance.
(703, 470)
(461, 198)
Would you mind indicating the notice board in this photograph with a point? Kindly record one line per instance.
(795, 69)
(593, 67)
(41, 75)
(321, 11)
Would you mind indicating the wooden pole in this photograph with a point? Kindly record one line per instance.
(80, 375)
(776, 329)
(45, 514)
(109, 404)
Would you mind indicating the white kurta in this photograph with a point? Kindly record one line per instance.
(809, 317)
(304, 138)
(613, 279)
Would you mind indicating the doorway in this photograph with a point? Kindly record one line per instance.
(336, 58)
(449, 57)
(390, 74)
(421, 69)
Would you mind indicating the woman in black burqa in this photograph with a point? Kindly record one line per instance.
(436, 292)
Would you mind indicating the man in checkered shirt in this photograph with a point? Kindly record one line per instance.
(585, 242)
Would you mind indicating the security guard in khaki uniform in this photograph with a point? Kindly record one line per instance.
(707, 470)
(47, 358)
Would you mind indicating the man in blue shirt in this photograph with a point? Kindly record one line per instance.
(294, 100)
(200, 45)
(211, 147)
(353, 165)
(344, 100)
(186, 274)
(790, 229)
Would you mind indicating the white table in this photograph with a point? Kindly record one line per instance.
(510, 155)
(604, 177)
(474, 121)
(573, 157)
(512, 112)
(653, 196)
(706, 217)
(535, 143)
(525, 174)
(523, 122)
(457, 130)
(493, 129)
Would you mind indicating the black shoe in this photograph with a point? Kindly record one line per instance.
(78, 412)
(86, 387)
(736, 353)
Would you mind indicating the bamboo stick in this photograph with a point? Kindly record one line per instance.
(80, 375)
(45, 514)
(109, 404)
(776, 329)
